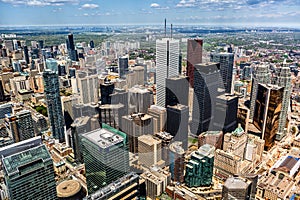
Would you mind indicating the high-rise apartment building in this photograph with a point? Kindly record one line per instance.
(267, 111)
(28, 170)
(226, 61)
(177, 123)
(206, 82)
(199, 169)
(105, 156)
(167, 61)
(54, 105)
(177, 91)
(194, 56)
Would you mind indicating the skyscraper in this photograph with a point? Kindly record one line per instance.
(283, 78)
(123, 66)
(167, 61)
(149, 150)
(54, 106)
(140, 99)
(226, 68)
(177, 162)
(260, 75)
(51, 64)
(199, 169)
(105, 156)
(159, 115)
(25, 125)
(28, 170)
(106, 89)
(194, 56)
(207, 80)
(177, 91)
(71, 48)
(177, 123)
(267, 111)
(26, 55)
(88, 87)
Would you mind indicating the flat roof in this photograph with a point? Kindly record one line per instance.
(103, 138)
(68, 188)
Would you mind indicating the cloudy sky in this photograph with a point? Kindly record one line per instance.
(225, 12)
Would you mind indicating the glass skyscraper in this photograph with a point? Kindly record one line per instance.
(105, 155)
(54, 106)
(28, 170)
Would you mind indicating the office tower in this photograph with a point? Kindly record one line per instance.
(199, 169)
(167, 61)
(2, 94)
(136, 125)
(166, 139)
(180, 64)
(140, 99)
(41, 44)
(79, 126)
(72, 72)
(138, 77)
(105, 156)
(123, 66)
(71, 48)
(213, 138)
(159, 115)
(111, 114)
(149, 151)
(260, 75)
(237, 188)
(235, 142)
(120, 96)
(206, 83)
(106, 89)
(177, 162)
(226, 68)
(11, 125)
(51, 64)
(92, 44)
(28, 162)
(194, 56)
(267, 111)
(283, 78)
(127, 187)
(177, 123)
(254, 149)
(25, 125)
(177, 91)
(26, 55)
(54, 106)
(156, 181)
(225, 116)
(88, 87)
(39, 123)
(61, 70)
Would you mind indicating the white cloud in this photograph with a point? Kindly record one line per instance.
(90, 6)
(41, 2)
(154, 5)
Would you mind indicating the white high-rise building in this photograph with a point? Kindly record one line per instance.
(167, 64)
(88, 87)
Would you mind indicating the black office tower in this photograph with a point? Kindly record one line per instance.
(177, 91)
(123, 66)
(206, 82)
(226, 68)
(177, 123)
(106, 90)
(26, 55)
(225, 117)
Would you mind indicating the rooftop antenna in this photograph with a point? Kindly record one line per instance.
(171, 30)
(165, 27)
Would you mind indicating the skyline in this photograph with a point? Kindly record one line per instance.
(92, 12)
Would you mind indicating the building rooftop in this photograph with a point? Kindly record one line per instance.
(81, 121)
(179, 107)
(149, 139)
(13, 164)
(68, 188)
(103, 138)
(227, 97)
(236, 183)
(287, 164)
(238, 131)
(177, 147)
(157, 108)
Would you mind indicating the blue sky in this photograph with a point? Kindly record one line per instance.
(226, 12)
